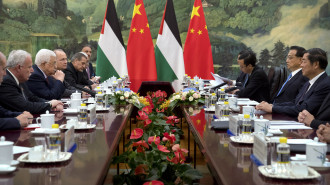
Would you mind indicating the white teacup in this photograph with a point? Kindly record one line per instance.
(90, 100)
(249, 110)
(70, 123)
(6, 152)
(36, 153)
(316, 153)
(261, 125)
(76, 95)
(46, 120)
(75, 103)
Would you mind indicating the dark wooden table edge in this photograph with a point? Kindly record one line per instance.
(199, 141)
(113, 147)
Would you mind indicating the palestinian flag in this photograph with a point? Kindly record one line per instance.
(168, 50)
(111, 58)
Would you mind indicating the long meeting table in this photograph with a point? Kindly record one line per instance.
(90, 161)
(230, 163)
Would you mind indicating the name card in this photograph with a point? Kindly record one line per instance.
(69, 139)
(234, 124)
(92, 112)
(260, 149)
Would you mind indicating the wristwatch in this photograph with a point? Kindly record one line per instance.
(50, 104)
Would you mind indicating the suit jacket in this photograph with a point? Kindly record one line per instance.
(12, 97)
(323, 115)
(257, 86)
(240, 80)
(91, 69)
(76, 78)
(291, 89)
(48, 89)
(8, 120)
(311, 101)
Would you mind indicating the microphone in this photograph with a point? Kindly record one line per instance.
(92, 93)
(231, 89)
(218, 86)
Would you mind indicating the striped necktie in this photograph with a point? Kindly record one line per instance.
(284, 84)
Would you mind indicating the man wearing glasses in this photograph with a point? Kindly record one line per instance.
(15, 95)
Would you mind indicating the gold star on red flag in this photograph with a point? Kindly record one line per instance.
(134, 30)
(141, 31)
(147, 25)
(205, 27)
(136, 10)
(192, 30)
(195, 12)
(199, 32)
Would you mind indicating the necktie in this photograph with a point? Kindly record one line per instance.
(246, 79)
(22, 90)
(284, 84)
(88, 73)
(304, 90)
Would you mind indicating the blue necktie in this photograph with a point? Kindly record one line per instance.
(246, 79)
(284, 84)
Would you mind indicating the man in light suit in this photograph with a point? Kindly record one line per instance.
(9, 119)
(46, 82)
(15, 95)
(256, 87)
(312, 94)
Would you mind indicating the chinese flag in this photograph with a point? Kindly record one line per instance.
(197, 49)
(199, 122)
(140, 54)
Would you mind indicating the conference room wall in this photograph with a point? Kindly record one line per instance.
(267, 27)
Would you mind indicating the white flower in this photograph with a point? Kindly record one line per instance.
(122, 98)
(118, 92)
(195, 95)
(126, 94)
(177, 97)
(191, 98)
(191, 109)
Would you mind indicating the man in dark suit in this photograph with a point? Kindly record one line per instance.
(290, 89)
(61, 64)
(8, 119)
(312, 94)
(89, 72)
(321, 117)
(74, 72)
(46, 82)
(15, 95)
(256, 87)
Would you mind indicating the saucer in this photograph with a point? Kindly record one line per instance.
(6, 169)
(14, 163)
(325, 166)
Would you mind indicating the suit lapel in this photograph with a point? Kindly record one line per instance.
(310, 91)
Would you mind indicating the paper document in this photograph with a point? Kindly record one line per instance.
(285, 123)
(299, 141)
(20, 149)
(219, 78)
(281, 127)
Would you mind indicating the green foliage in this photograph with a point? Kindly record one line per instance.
(11, 28)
